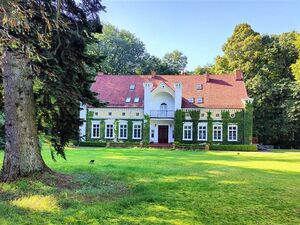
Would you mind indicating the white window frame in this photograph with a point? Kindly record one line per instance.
(201, 100)
(213, 130)
(199, 87)
(113, 130)
(92, 129)
(136, 100)
(236, 134)
(128, 100)
(202, 124)
(132, 87)
(133, 128)
(190, 124)
(126, 129)
(191, 100)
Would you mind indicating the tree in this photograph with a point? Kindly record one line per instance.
(124, 53)
(241, 51)
(266, 62)
(296, 66)
(43, 41)
(203, 69)
(175, 62)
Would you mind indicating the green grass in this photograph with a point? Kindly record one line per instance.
(134, 186)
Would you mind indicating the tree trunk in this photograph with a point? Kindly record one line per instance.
(22, 155)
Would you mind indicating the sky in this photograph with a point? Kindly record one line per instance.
(198, 28)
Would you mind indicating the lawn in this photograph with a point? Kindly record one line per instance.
(135, 186)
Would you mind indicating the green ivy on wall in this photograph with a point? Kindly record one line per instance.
(102, 129)
(248, 123)
(146, 130)
(209, 127)
(116, 129)
(129, 131)
(195, 116)
(178, 125)
(225, 121)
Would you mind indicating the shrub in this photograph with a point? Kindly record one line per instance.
(190, 146)
(234, 147)
(92, 144)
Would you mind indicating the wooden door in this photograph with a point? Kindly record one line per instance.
(163, 134)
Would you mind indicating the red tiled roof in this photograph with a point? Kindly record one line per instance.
(222, 91)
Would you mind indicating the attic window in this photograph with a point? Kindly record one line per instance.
(128, 99)
(200, 100)
(136, 99)
(191, 100)
(132, 87)
(199, 86)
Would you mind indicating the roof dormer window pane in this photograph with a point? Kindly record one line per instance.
(199, 86)
(136, 99)
(128, 99)
(191, 100)
(132, 87)
(200, 100)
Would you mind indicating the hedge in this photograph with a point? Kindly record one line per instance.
(190, 146)
(234, 147)
(92, 144)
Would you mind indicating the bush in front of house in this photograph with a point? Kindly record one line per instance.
(249, 148)
(91, 144)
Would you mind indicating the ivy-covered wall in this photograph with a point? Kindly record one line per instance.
(116, 130)
(243, 119)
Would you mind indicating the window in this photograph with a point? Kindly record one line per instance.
(137, 114)
(123, 113)
(191, 100)
(96, 113)
(218, 115)
(122, 131)
(109, 113)
(202, 115)
(199, 86)
(217, 132)
(128, 99)
(187, 131)
(202, 131)
(200, 100)
(95, 129)
(136, 99)
(132, 87)
(152, 133)
(109, 130)
(232, 132)
(232, 115)
(137, 131)
(163, 106)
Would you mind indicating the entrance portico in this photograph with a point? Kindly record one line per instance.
(161, 130)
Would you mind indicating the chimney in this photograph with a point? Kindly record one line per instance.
(100, 74)
(206, 77)
(238, 74)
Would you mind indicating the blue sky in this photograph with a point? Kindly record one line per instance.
(198, 28)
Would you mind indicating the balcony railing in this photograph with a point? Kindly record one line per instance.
(162, 113)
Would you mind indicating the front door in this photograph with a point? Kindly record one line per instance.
(163, 134)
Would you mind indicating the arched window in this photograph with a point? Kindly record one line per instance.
(163, 106)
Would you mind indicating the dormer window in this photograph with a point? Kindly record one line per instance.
(191, 100)
(200, 100)
(132, 87)
(128, 99)
(136, 99)
(199, 86)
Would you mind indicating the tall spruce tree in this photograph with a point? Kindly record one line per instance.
(43, 42)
